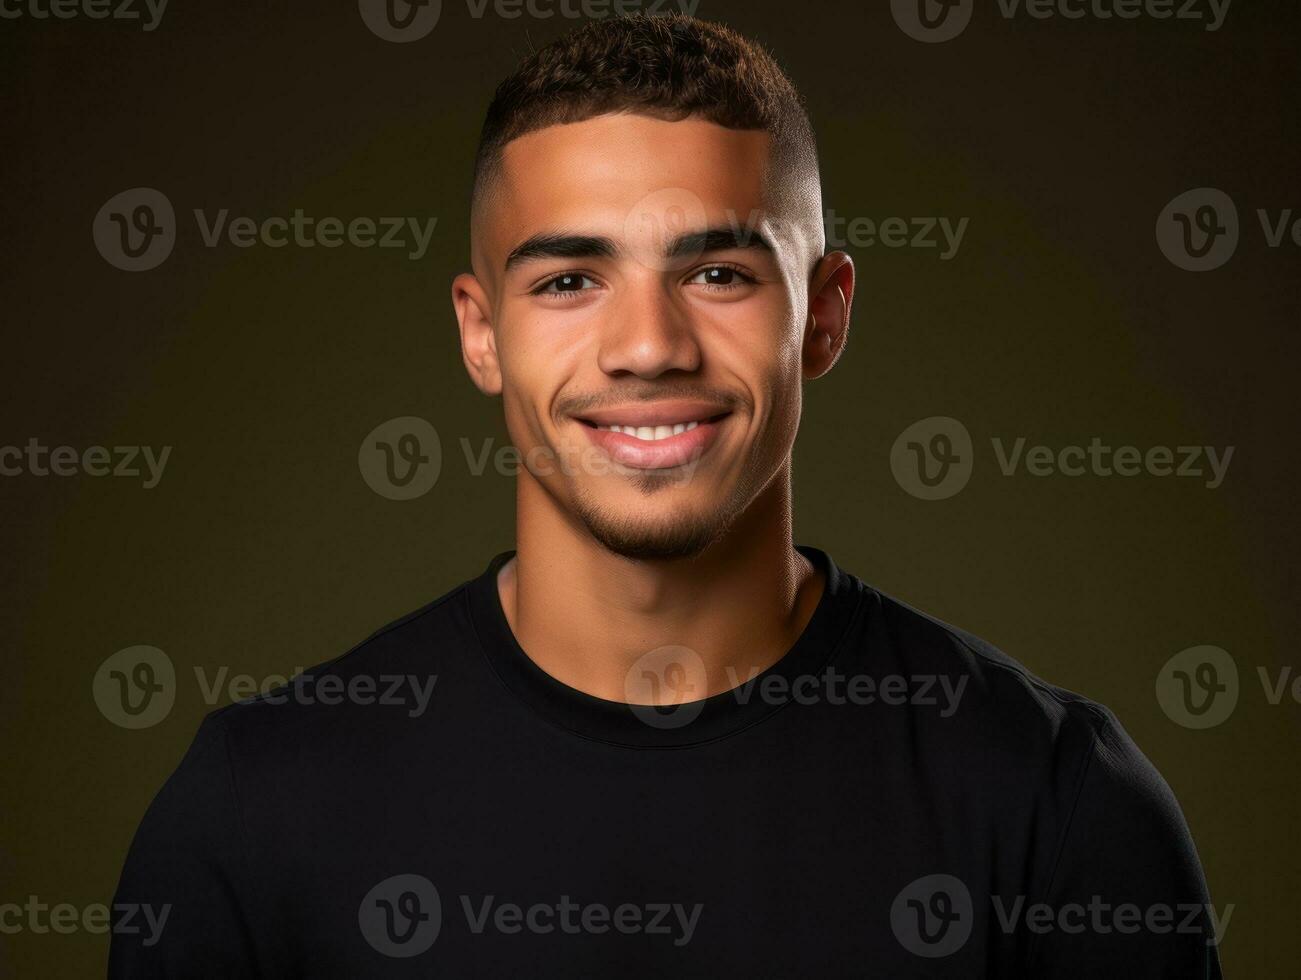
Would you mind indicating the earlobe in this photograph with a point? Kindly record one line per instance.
(831, 293)
(478, 341)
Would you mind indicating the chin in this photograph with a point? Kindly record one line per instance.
(674, 534)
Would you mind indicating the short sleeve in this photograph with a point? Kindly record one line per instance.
(1127, 897)
(177, 911)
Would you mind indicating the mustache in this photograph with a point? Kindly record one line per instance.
(580, 403)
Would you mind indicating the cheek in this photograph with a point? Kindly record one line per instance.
(762, 351)
(539, 355)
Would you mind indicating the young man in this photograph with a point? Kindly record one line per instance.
(664, 740)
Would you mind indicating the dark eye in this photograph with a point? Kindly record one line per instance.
(570, 282)
(719, 275)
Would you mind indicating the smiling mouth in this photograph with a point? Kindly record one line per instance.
(655, 437)
(656, 432)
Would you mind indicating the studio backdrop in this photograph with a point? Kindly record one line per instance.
(237, 434)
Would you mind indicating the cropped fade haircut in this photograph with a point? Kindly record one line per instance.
(669, 67)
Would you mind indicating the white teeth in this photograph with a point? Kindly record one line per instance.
(651, 433)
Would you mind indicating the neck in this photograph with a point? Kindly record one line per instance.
(591, 618)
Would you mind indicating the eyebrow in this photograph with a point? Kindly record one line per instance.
(717, 240)
(561, 245)
(558, 245)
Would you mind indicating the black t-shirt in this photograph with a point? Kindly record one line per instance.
(892, 798)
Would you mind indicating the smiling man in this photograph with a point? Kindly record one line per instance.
(665, 740)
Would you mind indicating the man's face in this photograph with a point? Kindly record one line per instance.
(646, 292)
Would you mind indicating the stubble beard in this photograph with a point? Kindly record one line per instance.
(685, 532)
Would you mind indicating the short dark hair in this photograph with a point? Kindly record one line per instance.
(668, 66)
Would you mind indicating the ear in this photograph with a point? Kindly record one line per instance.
(478, 341)
(831, 291)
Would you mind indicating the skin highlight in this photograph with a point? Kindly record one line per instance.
(627, 267)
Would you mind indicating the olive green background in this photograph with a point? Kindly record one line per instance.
(263, 550)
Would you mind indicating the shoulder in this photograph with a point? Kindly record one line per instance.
(396, 667)
(994, 718)
(1013, 745)
(912, 640)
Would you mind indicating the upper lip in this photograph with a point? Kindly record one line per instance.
(655, 413)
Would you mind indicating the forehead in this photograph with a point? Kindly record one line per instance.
(624, 175)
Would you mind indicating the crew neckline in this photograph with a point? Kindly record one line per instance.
(645, 726)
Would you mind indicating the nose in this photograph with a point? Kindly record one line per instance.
(648, 333)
